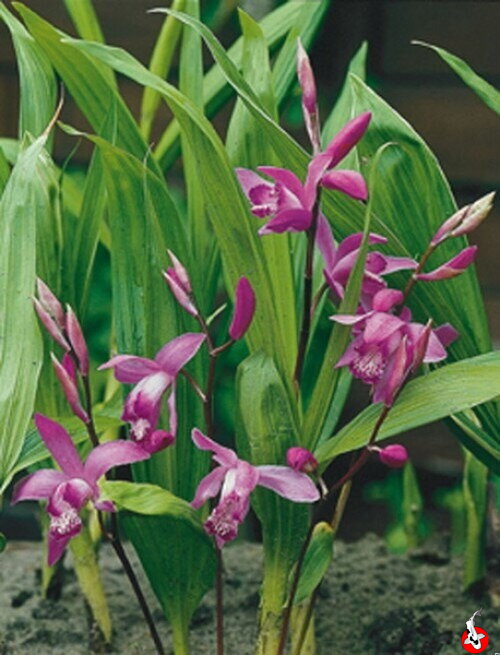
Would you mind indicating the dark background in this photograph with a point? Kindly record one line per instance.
(460, 129)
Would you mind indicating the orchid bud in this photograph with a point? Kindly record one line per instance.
(301, 459)
(50, 325)
(395, 456)
(244, 309)
(50, 302)
(180, 272)
(451, 268)
(68, 383)
(309, 95)
(179, 292)
(77, 340)
(476, 213)
(465, 220)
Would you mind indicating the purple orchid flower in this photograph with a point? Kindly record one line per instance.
(291, 203)
(237, 479)
(386, 348)
(71, 488)
(152, 378)
(340, 260)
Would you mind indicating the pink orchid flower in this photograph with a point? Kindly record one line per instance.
(288, 202)
(152, 378)
(340, 260)
(386, 348)
(236, 479)
(71, 488)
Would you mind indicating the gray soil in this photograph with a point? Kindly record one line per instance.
(372, 603)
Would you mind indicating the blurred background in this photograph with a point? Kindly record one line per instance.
(460, 129)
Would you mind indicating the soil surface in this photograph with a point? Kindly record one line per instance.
(372, 603)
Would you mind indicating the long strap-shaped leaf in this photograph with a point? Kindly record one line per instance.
(444, 392)
(23, 201)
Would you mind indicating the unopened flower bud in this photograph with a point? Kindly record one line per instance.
(77, 340)
(309, 96)
(180, 272)
(395, 456)
(50, 324)
(465, 220)
(301, 459)
(182, 296)
(244, 309)
(451, 268)
(68, 383)
(50, 302)
(158, 440)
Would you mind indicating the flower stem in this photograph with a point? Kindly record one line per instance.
(114, 536)
(413, 280)
(306, 312)
(293, 591)
(219, 592)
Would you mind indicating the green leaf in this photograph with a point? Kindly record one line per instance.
(160, 63)
(475, 486)
(300, 19)
(3, 542)
(413, 507)
(36, 77)
(443, 392)
(316, 561)
(235, 230)
(92, 92)
(343, 109)
(488, 93)
(4, 171)
(87, 25)
(151, 500)
(265, 428)
(23, 204)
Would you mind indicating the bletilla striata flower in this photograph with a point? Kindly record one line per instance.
(386, 347)
(236, 479)
(152, 378)
(71, 488)
(340, 260)
(290, 204)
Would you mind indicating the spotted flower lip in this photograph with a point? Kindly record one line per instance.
(152, 378)
(235, 479)
(289, 203)
(71, 488)
(386, 348)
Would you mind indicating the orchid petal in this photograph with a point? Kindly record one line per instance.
(351, 183)
(50, 325)
(394, 375)
(157, 440)
(244, 309)
(316, 169)
(347, 138)
(386, 299)
(288, 483)
(69, 388)
(284, 177)
(249, 179)
(242, 478)
(353, 242)
(130, 369)
(209, 486)
(143, 402)
(224, 456)
(108, 455)
(288, 220)
(393, 264)
(380, 326)
(179, 292)
(39, 485)
(447, 334)
(435, 351)
(56, 546)
(60, 445)
(326, 242)
(71, 494)
(176, 353)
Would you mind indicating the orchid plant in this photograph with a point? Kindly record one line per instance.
(288, 234)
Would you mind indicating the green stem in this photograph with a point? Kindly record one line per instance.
(180, 637)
